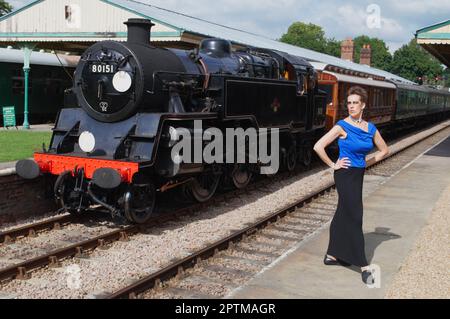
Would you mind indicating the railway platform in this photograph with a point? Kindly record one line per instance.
(33, 128)
(396, 211)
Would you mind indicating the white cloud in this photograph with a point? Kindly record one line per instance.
(421, 7)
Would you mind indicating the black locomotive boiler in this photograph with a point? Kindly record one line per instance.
(112, 147)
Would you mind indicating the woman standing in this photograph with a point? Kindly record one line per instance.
(356, 139)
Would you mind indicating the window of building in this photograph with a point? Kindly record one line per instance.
(72, 14)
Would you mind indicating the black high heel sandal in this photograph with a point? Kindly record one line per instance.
(367, 277)
(330, 261)
(334, 262)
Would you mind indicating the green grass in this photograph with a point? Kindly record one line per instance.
(17, 145)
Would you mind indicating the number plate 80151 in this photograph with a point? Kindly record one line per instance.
(102, 68)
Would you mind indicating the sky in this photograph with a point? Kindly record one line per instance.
(394, 21)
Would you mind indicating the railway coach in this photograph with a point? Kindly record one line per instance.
(391, 105)
(47, 83)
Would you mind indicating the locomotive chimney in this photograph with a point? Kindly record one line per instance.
(139, 30)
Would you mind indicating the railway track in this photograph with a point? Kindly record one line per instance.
(80, 249)
(32, 230)
(293, 223)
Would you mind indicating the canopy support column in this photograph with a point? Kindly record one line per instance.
(27, 50)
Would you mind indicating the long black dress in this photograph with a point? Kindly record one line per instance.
(346, 234)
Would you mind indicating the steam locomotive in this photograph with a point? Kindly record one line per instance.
(112, 145)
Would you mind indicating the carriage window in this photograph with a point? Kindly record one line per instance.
(343, 89)
(404, 98)
(370, 99)
(377, 98)
(16, 73)
(18, 86)
(329, 89)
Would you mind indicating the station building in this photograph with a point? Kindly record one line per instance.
(74, 25)
(436, 40)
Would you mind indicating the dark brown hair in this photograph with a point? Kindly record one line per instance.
(357, 90)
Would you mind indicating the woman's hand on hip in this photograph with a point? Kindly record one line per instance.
(343, 163)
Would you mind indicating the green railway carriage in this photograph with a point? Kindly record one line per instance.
(436, 102)
(47, 83)
(417, 101)
(412, 101)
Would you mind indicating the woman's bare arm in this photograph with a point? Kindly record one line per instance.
(324, 142)
(382, 147)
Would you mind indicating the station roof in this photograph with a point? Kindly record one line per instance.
(436, 40)
(363, 81)
(186, 23)
(39, 58)
(44, 21)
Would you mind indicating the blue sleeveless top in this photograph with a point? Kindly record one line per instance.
(357, 144)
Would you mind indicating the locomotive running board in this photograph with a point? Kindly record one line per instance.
(56, 165)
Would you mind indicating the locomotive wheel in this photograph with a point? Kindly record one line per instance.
(203, 187)
(140, 203)
(307, 156)
(291, 159)
(64, 193)
(241, 176)
(184, 195)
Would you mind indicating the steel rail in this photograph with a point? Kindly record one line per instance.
(8, 236)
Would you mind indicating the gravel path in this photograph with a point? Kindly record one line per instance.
(426, 271)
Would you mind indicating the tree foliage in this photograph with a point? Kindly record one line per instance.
(5, 8)
(381, 57)
(411, 62)
(311, 36)
(333, 47)
(447, 77)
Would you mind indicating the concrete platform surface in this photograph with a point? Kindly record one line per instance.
(7, 165)
(394, 216)
(33, 128)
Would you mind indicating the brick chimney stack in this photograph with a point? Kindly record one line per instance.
(366, 55)
(347, 49)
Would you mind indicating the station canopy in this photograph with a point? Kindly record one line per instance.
(73, 25)
(436, 40)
